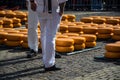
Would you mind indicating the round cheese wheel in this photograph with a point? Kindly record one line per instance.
(64, 49)
(12, 43)
(89, 30)
(112, 47)
(103, 36)
(99, 20)
(74, 29)
(89, 37)
(116, 37)
(112, 55)
(86, 19)
(90, 44)
(116, 31)
(78, 40)
(79, 47)
(105, 30)
(13, 37)
(71, 34)
(63, 27)
(64, 42)
(24, 45)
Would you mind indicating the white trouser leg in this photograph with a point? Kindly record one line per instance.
(32, 29)
(49, 28)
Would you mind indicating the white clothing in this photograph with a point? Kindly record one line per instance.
(49, 24)
(32, 29)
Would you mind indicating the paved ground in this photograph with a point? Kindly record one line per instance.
(15, 66)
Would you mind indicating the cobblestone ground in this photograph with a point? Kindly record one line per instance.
(15, 66)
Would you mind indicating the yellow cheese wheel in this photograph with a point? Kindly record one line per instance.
(61, 36)
(107, 17)
(1, 26)
(10, 14)
(64, 17)
(105, 30)
(78, 40)
(104, 36)
(12, 31)
(116, 31)
(25, 38)
(23, 20)
(8, 29)
(64, 49)
(20, 15)
(112, 47)
(78, 23)
(112, 21)
(13, 37)
(64, 31)
(70, 24)
(71, 20)
(99, 20)
(89, 37)
(22, 30)
(74, 29)
(1, 22)
(71, 16)
(112, 55)
(86, 25)
(71, 34)
(63, 27)
(12, 43)
(2, 34)
(2, 13)
(116, 37)
(7, 21)
(86, 19)
(79, 47)
(89, 30)
(16, 20)
(24, 45)
(17, 25)
(8, 25)
(118, 42)
(90, 44)
(64, 42)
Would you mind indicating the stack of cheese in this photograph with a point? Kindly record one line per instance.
(104, 33)
(64, 45)
(90, 40)
(79, 42)
(16, 22)
(2, 36)
(63, 28)
(116, 34)
(13, 38)
(71, 17)
(1, 23)
(7, 23)
(112, 50)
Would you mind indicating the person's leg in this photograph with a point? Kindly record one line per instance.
(49, 28)
(32, 32)
(32, 29)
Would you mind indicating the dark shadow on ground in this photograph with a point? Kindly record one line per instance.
(22, 73)
(20, 59)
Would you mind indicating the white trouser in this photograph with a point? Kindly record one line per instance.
(32, 29)
(49, 27)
